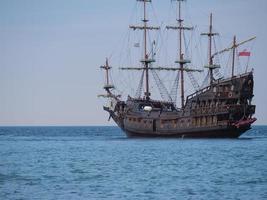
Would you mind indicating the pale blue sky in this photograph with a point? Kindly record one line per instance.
(50, 52)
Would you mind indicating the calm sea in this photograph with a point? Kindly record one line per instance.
(101, 163)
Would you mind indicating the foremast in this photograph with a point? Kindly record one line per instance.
(108, 86)
(106, 67)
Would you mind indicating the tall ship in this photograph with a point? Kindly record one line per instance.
(220, 109)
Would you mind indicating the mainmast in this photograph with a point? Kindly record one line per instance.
(146, 61)
(147, 93)
(211, 66)
(181, 60)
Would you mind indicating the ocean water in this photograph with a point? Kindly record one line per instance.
(101, 163)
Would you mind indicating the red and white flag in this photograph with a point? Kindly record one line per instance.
(244, 53)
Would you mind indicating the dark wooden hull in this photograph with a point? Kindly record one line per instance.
(201, 133)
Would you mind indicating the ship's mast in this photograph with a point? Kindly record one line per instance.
(181, 55)
(210, 35)
(210, 46)
(146, 61)
(147, 93)
(181, 60)
(233, 60)
(107, 85)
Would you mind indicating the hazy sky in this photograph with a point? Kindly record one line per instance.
(50, 52)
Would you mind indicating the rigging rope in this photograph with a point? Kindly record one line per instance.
(217, 70)
(140, 86)
(162, 89)
(174, 90)
(193, 80)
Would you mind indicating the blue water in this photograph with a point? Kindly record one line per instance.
(101, 163)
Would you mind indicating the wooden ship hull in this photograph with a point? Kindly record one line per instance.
(222, 110)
